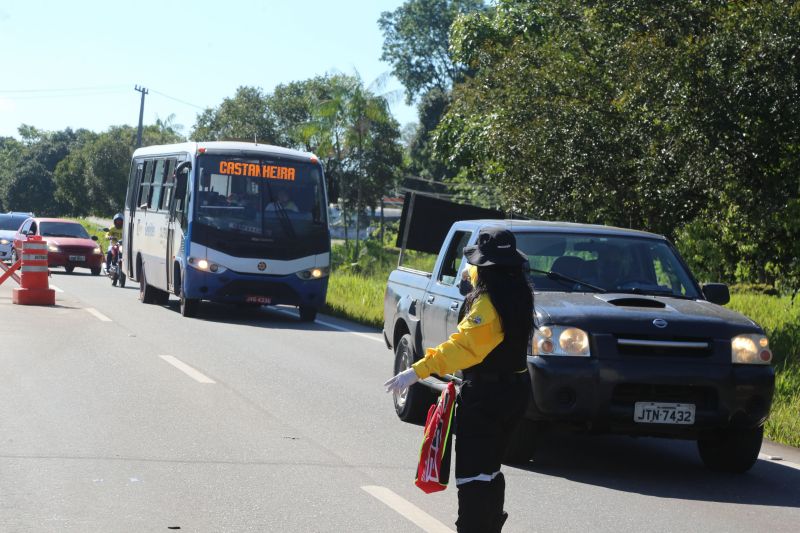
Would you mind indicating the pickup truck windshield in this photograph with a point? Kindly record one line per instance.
(614, 263)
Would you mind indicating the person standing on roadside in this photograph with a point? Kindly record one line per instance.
(490, 347)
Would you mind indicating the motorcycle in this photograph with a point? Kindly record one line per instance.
(114, 271)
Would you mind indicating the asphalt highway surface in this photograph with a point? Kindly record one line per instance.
(117, 416)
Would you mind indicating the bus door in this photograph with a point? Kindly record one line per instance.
(177, 224)
(135, 198)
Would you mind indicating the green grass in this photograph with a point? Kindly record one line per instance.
(780, 318)
(356, 297)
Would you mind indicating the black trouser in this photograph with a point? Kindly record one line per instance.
(488, 413)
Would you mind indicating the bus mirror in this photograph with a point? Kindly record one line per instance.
(183, 167)
(180, 184)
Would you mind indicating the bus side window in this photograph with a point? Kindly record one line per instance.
(133, 185)
(169, 186)
(147, 178)
(156, 186)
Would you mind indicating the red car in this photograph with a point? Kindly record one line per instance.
(68, 244)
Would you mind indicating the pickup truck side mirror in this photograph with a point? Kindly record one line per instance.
(94, 237)
(717, 293)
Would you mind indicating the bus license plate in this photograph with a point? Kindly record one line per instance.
(257, 300)
(77, 258)
(663, 413)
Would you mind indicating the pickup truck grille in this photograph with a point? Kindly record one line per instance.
(660, 347)
(629, 393)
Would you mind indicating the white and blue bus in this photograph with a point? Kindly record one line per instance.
(227, 222)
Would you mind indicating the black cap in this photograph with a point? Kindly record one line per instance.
(496, 246)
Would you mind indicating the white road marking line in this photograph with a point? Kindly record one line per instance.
(407, 509)
(55, 288)
(333, 326)
(186, 369)
(100, 316)
(770, 459)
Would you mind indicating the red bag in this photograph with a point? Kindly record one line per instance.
(433, 470)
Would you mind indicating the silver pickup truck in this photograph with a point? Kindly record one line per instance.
(626, 340)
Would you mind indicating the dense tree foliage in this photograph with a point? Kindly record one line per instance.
(680, 118)
(71, 172)
(416, 43)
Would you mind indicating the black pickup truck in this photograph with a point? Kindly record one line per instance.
(626, 341)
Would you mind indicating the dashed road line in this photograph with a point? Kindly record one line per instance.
(55, 288)
(100, 316)
(186, 369)
(407, 509)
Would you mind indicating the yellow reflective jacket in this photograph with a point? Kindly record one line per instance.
(478, 334)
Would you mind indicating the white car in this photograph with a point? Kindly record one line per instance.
(9, 224)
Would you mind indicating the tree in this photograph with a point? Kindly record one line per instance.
(416, 43)
(639, 114)
(244, 117)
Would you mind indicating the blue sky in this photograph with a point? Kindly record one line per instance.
(75, 63)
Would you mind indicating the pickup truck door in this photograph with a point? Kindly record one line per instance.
(443, 301)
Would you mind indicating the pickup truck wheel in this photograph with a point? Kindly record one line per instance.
(412, 404)
(731, 450)
(308, 314)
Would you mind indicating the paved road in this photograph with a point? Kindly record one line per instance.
(119, 416)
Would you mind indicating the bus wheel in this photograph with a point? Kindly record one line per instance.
(189, 306)
(146, 292)
(308, 314)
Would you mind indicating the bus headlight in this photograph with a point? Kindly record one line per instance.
(206, 266)
(314, 273)
(561, 340)
(752, 349)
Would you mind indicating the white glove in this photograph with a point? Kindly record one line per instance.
(402, 381)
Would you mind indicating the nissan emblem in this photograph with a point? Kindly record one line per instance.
(660, 323)
(263, 266)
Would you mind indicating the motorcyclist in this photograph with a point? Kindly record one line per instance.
(113, 235)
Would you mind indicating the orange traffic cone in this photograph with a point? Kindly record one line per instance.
(34, 286)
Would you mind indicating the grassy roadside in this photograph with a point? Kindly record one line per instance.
(356, 292)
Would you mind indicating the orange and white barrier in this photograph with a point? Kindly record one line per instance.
(34, 285)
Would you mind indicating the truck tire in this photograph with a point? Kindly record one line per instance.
(731, 450)
(308, 314)
(411, 405)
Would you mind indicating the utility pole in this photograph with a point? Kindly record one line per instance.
(144, 91)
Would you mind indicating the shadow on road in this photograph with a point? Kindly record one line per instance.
(663, 468)
(250, 315)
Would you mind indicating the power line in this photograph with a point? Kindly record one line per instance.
(176, 99)
(71, 89)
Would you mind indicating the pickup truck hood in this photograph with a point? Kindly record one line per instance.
(7, 234)
(632, 314)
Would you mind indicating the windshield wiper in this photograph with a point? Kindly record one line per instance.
(557, 276)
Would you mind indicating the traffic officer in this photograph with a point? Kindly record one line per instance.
(490, 347)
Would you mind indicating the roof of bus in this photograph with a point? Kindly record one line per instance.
(193, 147)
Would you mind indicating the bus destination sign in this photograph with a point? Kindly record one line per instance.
(255, 170)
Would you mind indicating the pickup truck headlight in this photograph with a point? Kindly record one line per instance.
(314, 273)
(97, 251)
(206, 265)
(4, 241)
(752, 349)
(561, 340)
(53, 248)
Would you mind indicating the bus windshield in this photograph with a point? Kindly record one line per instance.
(269, 198)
